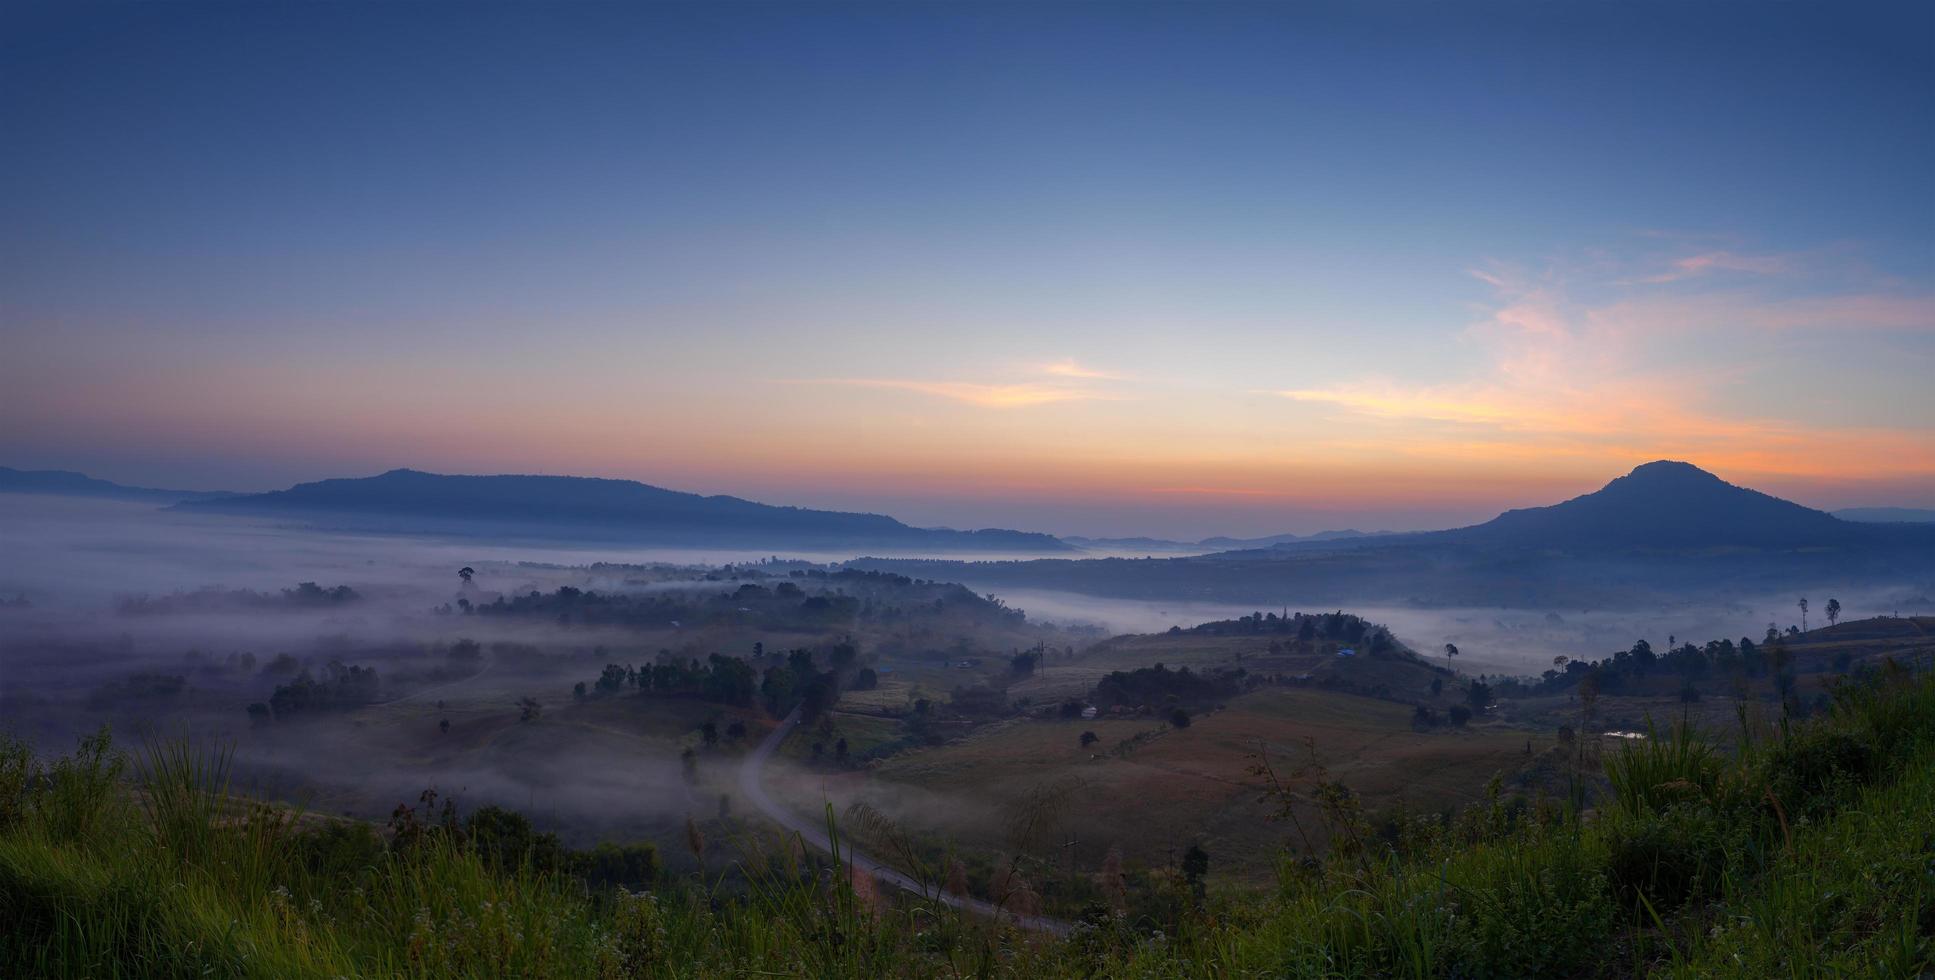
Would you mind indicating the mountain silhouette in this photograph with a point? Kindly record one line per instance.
(1666, 532)
(1664, 505)
(67, 483)
(585, 506)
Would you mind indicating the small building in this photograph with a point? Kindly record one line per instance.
(1089, 711)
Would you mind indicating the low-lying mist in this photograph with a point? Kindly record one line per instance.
(162, 623)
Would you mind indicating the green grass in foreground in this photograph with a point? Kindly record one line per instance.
(1809, 853)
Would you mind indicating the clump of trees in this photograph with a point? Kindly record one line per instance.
(796, 681)
(1334, 627)
(1157, 684)
(1641, 669)
(835, 598)
(306, 595)
(342, 687)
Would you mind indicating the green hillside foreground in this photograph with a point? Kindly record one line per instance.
(1809, 853)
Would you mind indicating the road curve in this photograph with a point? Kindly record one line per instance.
(813, 833)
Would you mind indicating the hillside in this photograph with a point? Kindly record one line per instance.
(67, 483)
(569, 505)
(1795, 856)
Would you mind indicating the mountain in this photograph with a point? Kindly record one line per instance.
(1887, 515)
(574, 506)
(70, 484)
(1664, 533)
(1664, 505)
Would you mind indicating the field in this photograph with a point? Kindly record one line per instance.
(1153, 789)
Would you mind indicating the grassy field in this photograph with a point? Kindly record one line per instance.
(1153, 789)
(1804, 855)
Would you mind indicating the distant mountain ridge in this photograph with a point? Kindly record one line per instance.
(71, 484)
(406, 499)
(1660, 506)
(1887, 515)
(1666, 531)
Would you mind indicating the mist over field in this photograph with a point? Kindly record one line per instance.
(1493, 639)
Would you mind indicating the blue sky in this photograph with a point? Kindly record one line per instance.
(1099, 268)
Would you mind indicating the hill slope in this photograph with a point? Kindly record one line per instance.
(409, 499)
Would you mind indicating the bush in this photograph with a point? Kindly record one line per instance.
(1674, 856)
(1812, 769)
(1536, 911)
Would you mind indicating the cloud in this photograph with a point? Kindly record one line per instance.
(1068, 368)
(1023, 394)
(1721, 261)
(1630, 376)
(983, 395)
(1217, 491)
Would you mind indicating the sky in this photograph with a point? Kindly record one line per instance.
(1094, 268)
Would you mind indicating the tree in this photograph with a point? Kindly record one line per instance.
(443, 726)
(1179, 718)
(578, 690)
(709, 733)
(528, 709)
(840, 751)
(1451, 651)
(1437, 686)
(465, 573)
(1460, 714)
(736, 730)
(1089, 738)
(1803, 605)
(1479, 696)
(1023, 664)
(1195, 867)
(1833, 611)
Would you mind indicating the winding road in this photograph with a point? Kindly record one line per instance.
(751, 786)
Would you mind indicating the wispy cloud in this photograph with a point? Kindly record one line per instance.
(1566, 377)
(1217, 491)
(1069, 368)
(1691, 266)
(984, 395)
(1078, 384)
